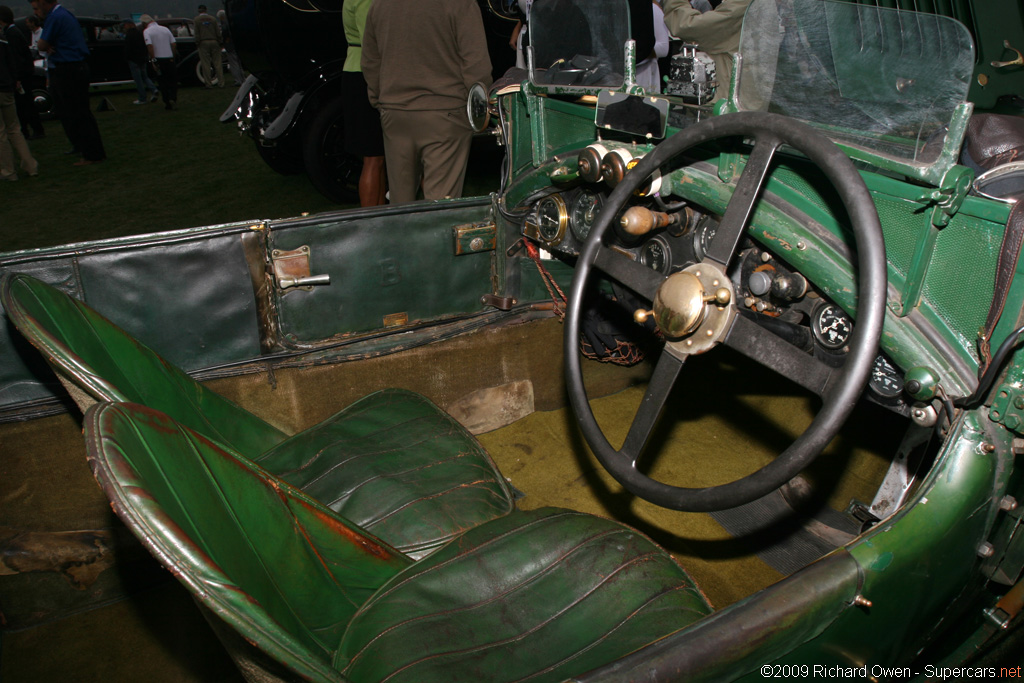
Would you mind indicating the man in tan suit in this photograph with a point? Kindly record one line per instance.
(420, 60)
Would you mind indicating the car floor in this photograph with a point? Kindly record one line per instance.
(729, 418)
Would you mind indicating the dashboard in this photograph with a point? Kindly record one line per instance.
(668, 238)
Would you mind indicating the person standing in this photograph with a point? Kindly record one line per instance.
(363, 135)
(648, 74)
(35, 29)
(63, 42)
(716, 32)
(420, 60)
(28, 115)
(234, 63)
(163, 53)
(10, 130)
(138, 61)
(208, 40)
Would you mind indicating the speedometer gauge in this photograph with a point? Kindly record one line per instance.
(831, 326)
(886, 380)
(552, 219)
(585, 209)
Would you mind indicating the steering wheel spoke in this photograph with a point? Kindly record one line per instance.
(775, 353)
(664, 378)
(741, 206)
(636, 276)
(683, 307)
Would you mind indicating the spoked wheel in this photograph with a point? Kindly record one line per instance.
(696, 310)
(333, 171)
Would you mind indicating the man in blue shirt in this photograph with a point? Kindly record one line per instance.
(64, 44)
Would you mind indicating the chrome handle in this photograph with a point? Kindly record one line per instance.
(1012, 62)
(309, 281)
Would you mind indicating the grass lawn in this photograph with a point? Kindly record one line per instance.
(165, 170)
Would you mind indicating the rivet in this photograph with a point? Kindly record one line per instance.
(689, 342)
(986, 550)
(765, 257)
(861, 601)
(801, 246)
(710, 333)
(1008, 503)
(987, 447)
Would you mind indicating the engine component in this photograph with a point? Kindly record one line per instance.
(692, 76)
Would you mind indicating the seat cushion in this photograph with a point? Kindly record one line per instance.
(108, 364)
(394, 463)
(267, 559)
(541, 595)
(398, 466)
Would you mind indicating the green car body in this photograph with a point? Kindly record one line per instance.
(442, 297)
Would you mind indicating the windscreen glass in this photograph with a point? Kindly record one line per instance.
(578, 43)
(878, 78)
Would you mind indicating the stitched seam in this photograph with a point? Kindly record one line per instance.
(529, 631)
(513, 589)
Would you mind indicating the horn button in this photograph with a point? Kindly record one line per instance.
(692, 308)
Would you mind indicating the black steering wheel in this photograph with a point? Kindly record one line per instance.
(696, 310)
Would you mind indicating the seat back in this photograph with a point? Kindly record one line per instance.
(106, 363)
(277, 566)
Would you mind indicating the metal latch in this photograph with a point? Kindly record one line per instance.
(472, 238)
(291, 269)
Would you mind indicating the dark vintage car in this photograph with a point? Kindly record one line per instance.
(735, 398)
(291, 105)
(107, 63)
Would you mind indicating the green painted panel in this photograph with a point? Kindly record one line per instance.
(387, 269)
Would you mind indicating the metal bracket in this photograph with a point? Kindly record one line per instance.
(1008, 408)
(947, 199)
(291, 269)
(473, 238)
(538, 130)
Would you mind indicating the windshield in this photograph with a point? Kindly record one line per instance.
(877, 78)
(578, 43)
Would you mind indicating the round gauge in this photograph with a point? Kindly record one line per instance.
(656, 254)
(886, 380)
(585, 208)
(703, 234)
(552, 219)
(831, 326)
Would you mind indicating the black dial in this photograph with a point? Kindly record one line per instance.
(886, 380)
(552, 218)
(585, 209)
(831, 326)
(656, 254)
(703, 234)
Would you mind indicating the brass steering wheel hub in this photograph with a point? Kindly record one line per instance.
(692, 308)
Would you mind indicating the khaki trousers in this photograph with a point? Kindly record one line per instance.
(212, 62)
(10, 136)
(425, 147)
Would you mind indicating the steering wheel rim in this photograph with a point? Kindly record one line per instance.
(840, 389)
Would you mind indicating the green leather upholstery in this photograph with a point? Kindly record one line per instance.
(541, 595)
(393, 461)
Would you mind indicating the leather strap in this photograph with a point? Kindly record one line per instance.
(1006, 266)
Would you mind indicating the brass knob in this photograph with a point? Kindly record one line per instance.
(641, 316)
(721, 297)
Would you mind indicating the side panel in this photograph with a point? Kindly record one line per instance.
(189, 297)
(399, 268)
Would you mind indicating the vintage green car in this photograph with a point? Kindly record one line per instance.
(702, 392)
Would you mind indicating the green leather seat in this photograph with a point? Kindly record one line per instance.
(541, 595)
(392, 462)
